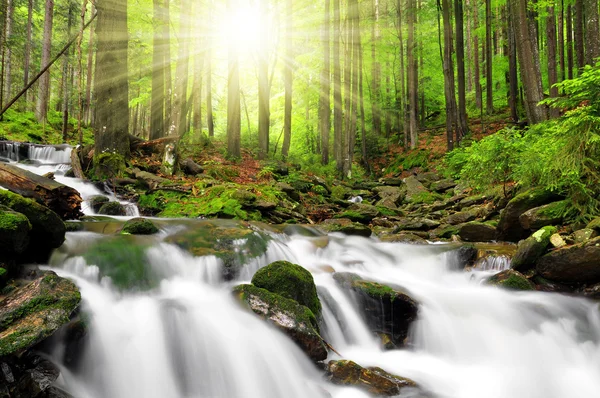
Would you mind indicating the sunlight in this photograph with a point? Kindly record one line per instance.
(242, 28)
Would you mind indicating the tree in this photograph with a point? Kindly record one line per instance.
(288, 80)
(180, 105)
(592, 32)
(337, 88)
(234, 121)
(462, 127)
(111, 85)
(27, 55)
(41, 110)
(412, 73)
(324, 99)
(376, 70)
(157, 105)
(551, 44)
(449, 87)
(263, 85)
(488, 58)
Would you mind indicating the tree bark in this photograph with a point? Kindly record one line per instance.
(157, 101)
(376, 70)
(288, 80)
(337, 89)
(561, 40)
(592, 32)
(182, 72)
(41, 110)
(233, 96)
(325, 97)
(578, 34)
(551, 45)
(65, 80)
(90, 75)
(412, 76)
(264, 94)
(462, 126)
(166, 50)
(210, 121)
(489, 103)
(10, 10)
(27, 55)
(513, 80)
(570, 60)
(449, 87)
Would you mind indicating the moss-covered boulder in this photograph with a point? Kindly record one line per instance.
(531, 249)
(47, 229)
(510, 279)
(35, 311)
(442, 185)
(14, 231)
(572, 264)
(404, 237)
(295, 320)
(139, 226)
(594, 224)
(390, 196)
(112, 209)
(359, 212)
(374, 381)
(462, 217)
(475, 231)
(583, 235)
(291, 281)
(386, 310)
(509, 226)
(345, 226)
(538, 217)
(97, 201)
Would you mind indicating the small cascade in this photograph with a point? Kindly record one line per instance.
(50, 154)
(493, 263)
(11, 151)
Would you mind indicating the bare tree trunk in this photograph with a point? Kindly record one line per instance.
(376, 71)
(355, 46)
(288, 81)
(10, 10)
(157, 102)
(513, 80)
(476, 67)
(263, 85)
(410, 61)
(166, 50)
(469, 48)
(233, 96)
(90, 76)
(578, 34)
(488, 58)
(551, 44)
(449, 88)
(347, 90)
(2, 50)
(197, 89)
(462, 126)
(337, 89)
(561, 40)
(592, 32)
(363, 129)
(27, 54)
(403, 93)
(570, 60)
(65, 80)
(44, 85)
(324, 99)
(210, 121)
(182, 72)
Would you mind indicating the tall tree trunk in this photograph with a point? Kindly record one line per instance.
(197, 89)
(513, 80)
(210, 121)
(166, 50)
(182, 71)
(355, 46)
(462, 127)
(27, 55)
(157, 101)
(325, 97)
(111, 87)
(570, 58)
(288, 80)
(337, 88)
(468, 42)
(410, 61)
(578, 34)
(476, 67)
(529, 64)
(592, 32)
(551, 44)
(89, 75)
(263, 84)
(2, 50)
(347, 89)
(10, 10)
(403, 83)
(489, 103)
(449, 87)
(65, 80)
(561, 40)
(41, 110)
(233, 95)
(363, 129)
(376, 71)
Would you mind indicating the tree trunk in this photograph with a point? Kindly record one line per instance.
(325, 99)
(489, 103)
(182, 72)
(210, 121)
(263, 83)
(41, 110)
(363, 129)
(376, 71)
(347, 90)
(592, 32)
(65, 80)
(157, 101)
(355, 46)
(476, 67)
(90, 75)
(578, 34)
(337, 88)
(561, 40)
(197, 88)
(513, 80)
(111, 87)
(10, 10)
(551, 44)
(570, 58)
(166, 50)
(233, 96)
(462, 126)
(403, 94)
(449, 88)
(27, 54)
(412, 76)
(288, 80)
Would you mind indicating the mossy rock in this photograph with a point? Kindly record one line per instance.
(404, 237)
(359, 212)
(594, 224)
(345, 226)
(47, 228)
(538, 217)
(14, 231)
(511, 280)
(73, 226)
(32, 313)
(531, 249)
(572, 264)
(139, 226)
(112, 209)
(477, 232)
(97, 201)
(108, 165)
(124, 261)
(291, 281)
(295, 320)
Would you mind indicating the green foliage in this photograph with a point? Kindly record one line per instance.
(23, 127)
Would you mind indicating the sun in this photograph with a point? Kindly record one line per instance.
(242, 28)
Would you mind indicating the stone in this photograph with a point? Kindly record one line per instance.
(293, 319)
(139, 226)
(112, 209)
(428, 177)
(97, 201)
(390, 196)
(414, 190)
(477, 232)
(511, 280)
(391, 181)
(583, 235)
(557, 241)
(405, 237)
(461, 217)
(538, 217)
(531, 249)
(188, 166)
(470, 201)
(572, 264)
(14, 231)
(359, 212)
(374, 381)
(415, 224)
(287, 189)
(444, 231)
(345, 226)
(290, 281)
(442, 185)
(594, 224)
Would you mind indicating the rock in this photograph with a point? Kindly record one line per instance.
(188, 166)
(415, 224)
(47, 228)
(290, 281)
(461, 217)
(544, 285)
(14, 231)
(112, 209)
(293, 319)
(594, 224)
(572, 264)
(442, 185)
(374, 381)
(345, 226)
(531, 249)
(391, 181)
(538, 217)
(415, 191)
(386, 310)
(245, 198)
(509, 227)
(470, 201)
(405, 237)
(97, 201)
(428, 177)
(287, 189)
(477, 232)
(169, 160)
(465, 255)
(147, 179)
(583, 235)
(359, 212)
(389, 196)
(35, 311)
(139, 226)
(557, 241)
(510, 279)
(444, 231)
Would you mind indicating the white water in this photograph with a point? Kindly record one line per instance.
(189, 339)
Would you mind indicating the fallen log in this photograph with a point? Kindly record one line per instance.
(63, 200)
(76, 163)
(154, 146)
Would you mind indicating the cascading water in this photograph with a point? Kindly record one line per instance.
(188, 338)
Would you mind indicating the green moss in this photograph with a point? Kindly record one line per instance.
(374, 289)
(291, 281)
(511, 280)
(14, 231)
(425, 197)
(339, 192)
(108, 165)
(112, 209)
(139, 226)
(74, 226)
(386, 211)
(555, 209)
(354, 216)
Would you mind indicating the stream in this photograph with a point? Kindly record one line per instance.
(188, 337)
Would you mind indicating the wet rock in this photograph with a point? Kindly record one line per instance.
(531, 249)
(290, 281)
(139, 226)
(461, 217)
(538, 217)
(442, 185)
(74, 226)
(29, 376)
(544, 285)
(444, 231)
(188, 166)
(583, 235)
(295, 320)
(287, 189)
(416, 224)
(112, 209)
(405, 237)
(97, 201)
(390, 196)
(359, 212)
(374, 381)
(477, 232)
(572, 264)
(557, 241)
(509, 227)
(35, 311)
(465, 255)
(14, 231)
(510, 279)
(415, 190)
(386, 310)
(594, 224)
(345, 226)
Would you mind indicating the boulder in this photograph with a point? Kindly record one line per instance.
(390, 196)
(531, 249)
(462, 217)
(416, 224)
(345, 226)
(112, 209)
(442, 185)
(465, 255)
(538, 217)
(405, 237)
(444, 231)
(583, 235)
(392, 181)
(386, 310)
(557, 241)
(428, 178)
(290, 281)
(415, 190)
(509, 227)
(477, 232)
(14, 231)
(35, 311)
(469, 201)
(510, 279)
(97, 201)
(30, 376)
(188, 166)
(594, 224)
(287, 189)
(572, 264)
(359, 212)
(374, 381)
(295, 320)
(139, 226)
